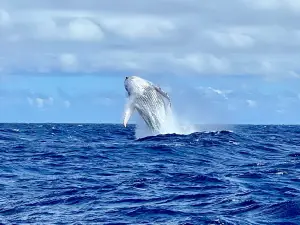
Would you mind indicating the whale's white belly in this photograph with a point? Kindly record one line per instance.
(151, 108)
(148, 100)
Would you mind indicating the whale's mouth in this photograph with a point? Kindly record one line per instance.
(134, 84)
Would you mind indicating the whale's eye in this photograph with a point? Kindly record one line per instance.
(126, 78)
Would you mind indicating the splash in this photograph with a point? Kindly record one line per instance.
(174, 124)
(170, 124)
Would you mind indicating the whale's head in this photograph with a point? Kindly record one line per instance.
(135, 85)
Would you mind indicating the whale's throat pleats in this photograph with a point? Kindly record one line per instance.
(150, 105)
(151, 108)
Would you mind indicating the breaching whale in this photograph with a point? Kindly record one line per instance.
(149, 100)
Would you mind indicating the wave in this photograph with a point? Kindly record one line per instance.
(174, 124)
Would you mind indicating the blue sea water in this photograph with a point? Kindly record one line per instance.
(100, 174)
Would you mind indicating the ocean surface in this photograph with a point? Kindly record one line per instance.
(100, 174)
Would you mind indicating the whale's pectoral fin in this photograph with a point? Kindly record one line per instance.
(129, 109)
(163, 93)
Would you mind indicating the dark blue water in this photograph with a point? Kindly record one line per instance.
(99, 174)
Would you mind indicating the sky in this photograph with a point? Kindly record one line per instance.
(220, 61)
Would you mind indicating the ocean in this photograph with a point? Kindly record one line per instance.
(101, 174)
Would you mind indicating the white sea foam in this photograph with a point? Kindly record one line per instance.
(170, 124)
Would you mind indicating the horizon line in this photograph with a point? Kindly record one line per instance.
(130, 124)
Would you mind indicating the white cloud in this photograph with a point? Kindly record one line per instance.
(178, 37)
(213, 93)
(138, 26)
(67, 103)
(266, 4)
(251, 103)
(280, 111)
(68, 61)
(291, 5)
(4, 18)
(103, 101)
(82, 29)
(40, 102)
(202, 63)
(222, 93)
(228, 39)
(78, 29)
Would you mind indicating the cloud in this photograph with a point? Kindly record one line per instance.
(280, 111)
(251, 103)
(67, 103)
(78, 29)
(161, 36)
(213, 93)
(228, 39)
(4, 18)
(40, 102)
(290, 5)
(68, 61)
(83, 29)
